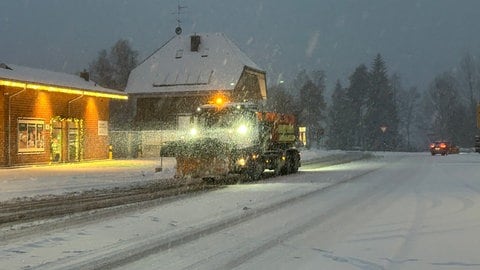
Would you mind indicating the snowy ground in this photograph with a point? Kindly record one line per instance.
(395, 211)
(105, 240)
(312, 154)
(31, 181)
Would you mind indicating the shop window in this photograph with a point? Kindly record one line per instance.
(31, 137)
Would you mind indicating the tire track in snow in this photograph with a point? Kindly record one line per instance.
(367, 199)
(107, 259)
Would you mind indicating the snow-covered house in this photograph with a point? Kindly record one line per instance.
(52, 117)
(188, 71)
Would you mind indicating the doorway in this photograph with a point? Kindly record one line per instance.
(66, 139)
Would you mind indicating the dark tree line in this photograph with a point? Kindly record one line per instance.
(376, 112)
(449, 104)
(364, 115)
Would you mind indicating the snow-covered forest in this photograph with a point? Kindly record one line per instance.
(376, 111)
(355, 116)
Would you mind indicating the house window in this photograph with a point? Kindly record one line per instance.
(31, 135)
(183, 121)
(205, 52)
(179, 54)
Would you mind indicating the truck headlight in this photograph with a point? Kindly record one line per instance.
(193, 131)
(241, 162)
(242, 129)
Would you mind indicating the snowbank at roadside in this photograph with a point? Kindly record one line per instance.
(77, 177)
(312, 154)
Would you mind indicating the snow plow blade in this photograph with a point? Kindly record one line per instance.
(204, 158)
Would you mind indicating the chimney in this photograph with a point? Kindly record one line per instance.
(85, 75)
(194, 43)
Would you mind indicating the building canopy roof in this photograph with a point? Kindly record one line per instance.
(192, 63)
(53, 81)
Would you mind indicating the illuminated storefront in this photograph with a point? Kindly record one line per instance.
(49, 117)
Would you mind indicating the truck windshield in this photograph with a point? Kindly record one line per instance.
(224, 118)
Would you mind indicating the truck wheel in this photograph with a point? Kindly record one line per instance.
(287, 168)
(292, 163)
(254, 171)
(294, 166)
(279, 169)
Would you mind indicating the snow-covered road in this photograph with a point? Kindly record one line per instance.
(419, 213)
(403, 211)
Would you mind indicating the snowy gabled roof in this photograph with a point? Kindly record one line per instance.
(217, 65)
(50, 78)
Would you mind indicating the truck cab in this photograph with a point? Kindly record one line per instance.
(236, 138)
(261, 140)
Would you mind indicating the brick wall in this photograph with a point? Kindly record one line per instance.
(95, 109)
(3, 132)
(46, 105)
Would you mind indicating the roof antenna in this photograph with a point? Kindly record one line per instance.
(178, 29)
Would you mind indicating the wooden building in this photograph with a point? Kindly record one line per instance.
(188, 71)
(52, 117)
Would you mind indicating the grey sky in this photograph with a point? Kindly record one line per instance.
(418, 38)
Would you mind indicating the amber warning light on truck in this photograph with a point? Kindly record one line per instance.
(219, 100)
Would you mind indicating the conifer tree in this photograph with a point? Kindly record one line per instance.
(313, 107)
(338, 125)
(279, 100)
(299, 81)
(356, 96)
(381, 121)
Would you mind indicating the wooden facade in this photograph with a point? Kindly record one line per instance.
(162, 110)
(48, 126)
(189, 71)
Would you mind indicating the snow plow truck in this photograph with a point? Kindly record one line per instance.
(235, 138)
